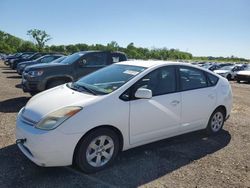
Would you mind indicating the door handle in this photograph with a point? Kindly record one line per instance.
(175, 102)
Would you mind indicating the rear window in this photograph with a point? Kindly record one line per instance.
(212, 79)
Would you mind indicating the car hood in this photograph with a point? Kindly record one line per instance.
(43, 66)
(53, 99)
(244, 72)
(221, 71)
(26, 63)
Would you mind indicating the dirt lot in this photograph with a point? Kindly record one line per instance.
(191, 160)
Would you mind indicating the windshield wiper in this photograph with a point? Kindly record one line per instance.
(78, 87)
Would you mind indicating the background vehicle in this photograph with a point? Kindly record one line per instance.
(243, 75)
(44, 59)
(14, 56)
(119, 107)
(230, 71)
(13, 64)
(21, 58)
(40, 77)
(212, 67)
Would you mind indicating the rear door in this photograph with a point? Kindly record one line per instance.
(198, 98)
(90, 63)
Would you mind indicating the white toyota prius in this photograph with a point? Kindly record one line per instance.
(120, 107)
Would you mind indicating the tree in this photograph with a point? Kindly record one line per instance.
(27, 46)
(40, 36)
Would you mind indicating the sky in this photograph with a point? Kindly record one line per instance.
(201, 27)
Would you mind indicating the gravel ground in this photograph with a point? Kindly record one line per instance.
(191, 160)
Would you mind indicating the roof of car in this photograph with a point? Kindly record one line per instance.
(151, 63)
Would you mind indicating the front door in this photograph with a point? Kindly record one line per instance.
(90, 63)
(158, 117)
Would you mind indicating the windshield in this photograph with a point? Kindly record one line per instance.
(108, 79)
(72, 58)
(227, 68)
(58, 60)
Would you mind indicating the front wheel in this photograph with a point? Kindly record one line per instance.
(55, 83)
(97, 150)
(216, 122)
(229, 77)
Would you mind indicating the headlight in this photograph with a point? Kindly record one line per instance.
(35, 73)
(54, 119)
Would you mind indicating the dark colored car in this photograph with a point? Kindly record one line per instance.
(15, 56)
(40, 77)
(13, 64)
(44, 59)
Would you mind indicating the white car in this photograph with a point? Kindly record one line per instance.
(229, 71)
(119, 107)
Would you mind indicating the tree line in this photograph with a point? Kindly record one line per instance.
(11, 44)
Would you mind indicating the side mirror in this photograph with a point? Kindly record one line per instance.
(143, 93)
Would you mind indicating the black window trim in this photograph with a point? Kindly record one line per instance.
(95, 66)
(208, 81)
(131, 89)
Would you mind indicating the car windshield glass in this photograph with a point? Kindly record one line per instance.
(227, 68)
(58, 60)
(109, 79)
(72, 58)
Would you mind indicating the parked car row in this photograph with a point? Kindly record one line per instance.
(41, 71)
(231, 71)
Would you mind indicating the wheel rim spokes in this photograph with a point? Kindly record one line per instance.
(100, 151)
(217, 121)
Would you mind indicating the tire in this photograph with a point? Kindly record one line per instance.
(216, 122)
(238, 81)
(32, 93)
(55, 83)
(229, 77)
(90, 155)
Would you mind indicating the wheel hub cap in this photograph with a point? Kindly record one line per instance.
(100, 151)
(217, 121)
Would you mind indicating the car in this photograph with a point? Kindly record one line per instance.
(243, 75)
(230, 71)
(22, 57)
(10, 57)
(211, 67)
(119, 107)
(40, 77)
(13, 63)
(43, 59)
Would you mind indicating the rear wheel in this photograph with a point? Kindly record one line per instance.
(216, 121)
(97, 150)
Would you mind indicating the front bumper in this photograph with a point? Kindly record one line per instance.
(243, 77)
(45, 148)
(29, 86)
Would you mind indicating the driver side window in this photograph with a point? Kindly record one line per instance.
(95, 60)
(160, 81)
